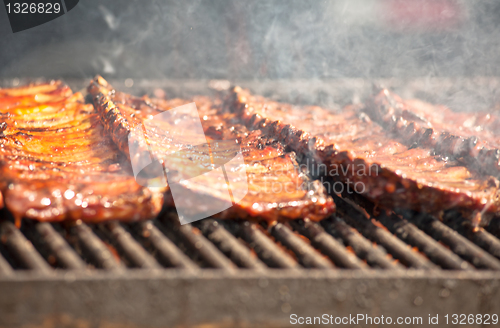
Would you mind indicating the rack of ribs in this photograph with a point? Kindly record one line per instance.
(351, 148)
(57, 163)
(276, 187)
(471, 138)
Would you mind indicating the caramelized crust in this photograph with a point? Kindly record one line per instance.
(57, 163)
(401, 176)
(277, 190)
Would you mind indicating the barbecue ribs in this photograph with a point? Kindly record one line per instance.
(277, 189)
(57, 163)
(345, 146)
(471, 138)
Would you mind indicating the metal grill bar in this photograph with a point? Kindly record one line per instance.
(229, 245)
(327, 245)
(479, 236)
(457, 243)
(417, 238)
(363, 248)
(195, 242)
(266, 249)
(5, 268)
(93, 248)
(486, 241)
(54, 245)
(398, 249)
(412, 235)
(305, 253)
(22, 249)
(164, 250)
(128, 247)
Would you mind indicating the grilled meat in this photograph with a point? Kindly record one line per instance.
(57, 163)
(277, 189)
(472, 138)
(346, 145)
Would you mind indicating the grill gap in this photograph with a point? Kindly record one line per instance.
(21, 249)
(162, 248)
(129, 249)
(435, 251)
(306, 254)
(91, 247)
(374, 255)
(52, 245)
(229, 245)
(478, 236)
(410, 234)
(397, 248)
(326, 244)
(457, 243)
(265, 248)
(195, 243)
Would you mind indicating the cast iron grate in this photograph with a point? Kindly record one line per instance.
(352, 239)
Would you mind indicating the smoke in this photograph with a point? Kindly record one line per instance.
(262, 41)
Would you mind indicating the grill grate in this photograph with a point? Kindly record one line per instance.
(353, 239)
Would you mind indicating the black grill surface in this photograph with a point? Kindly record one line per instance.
(352, 239)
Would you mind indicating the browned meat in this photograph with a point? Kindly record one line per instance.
(472, 138)
(346, 145)
(57, 163)
(276, 188)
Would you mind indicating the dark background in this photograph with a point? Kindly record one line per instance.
(254, 40)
